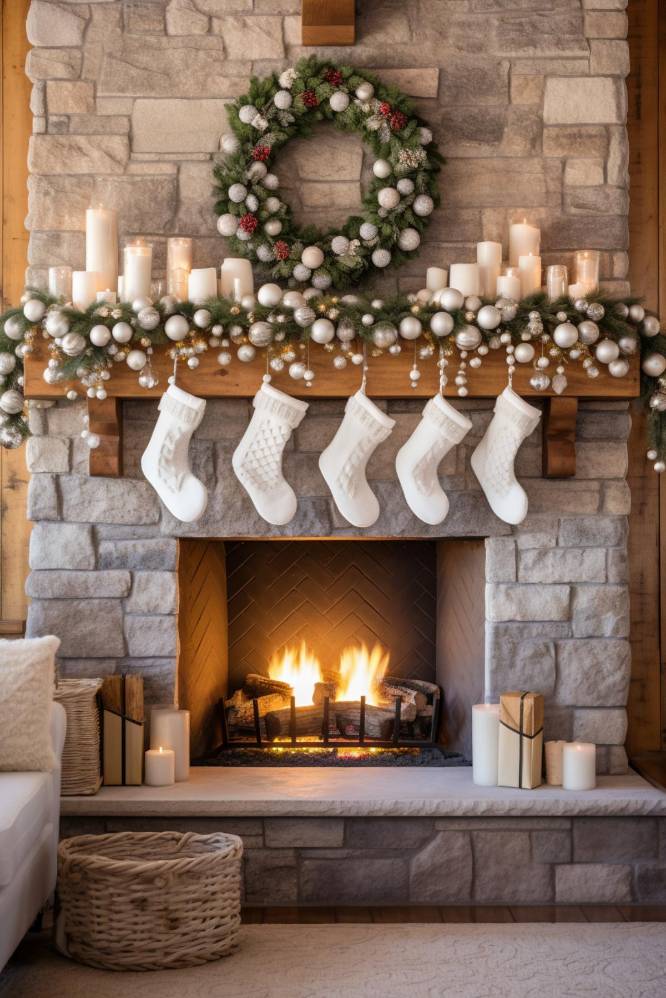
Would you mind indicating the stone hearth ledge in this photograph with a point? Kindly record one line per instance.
(317, 792)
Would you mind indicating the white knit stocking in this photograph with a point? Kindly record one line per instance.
(493, 459)
(344, 461)
(166, 462)
(257, 460)
(440, 429)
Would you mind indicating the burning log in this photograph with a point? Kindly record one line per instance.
(324, 690)
(260, 686)
(309, 721)
(243, 716)
(389, 688)
(430, 690)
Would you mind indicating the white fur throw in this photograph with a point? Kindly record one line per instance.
(27, 677)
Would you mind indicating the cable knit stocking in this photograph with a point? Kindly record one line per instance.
(492, 461)
(344, 461)
(257, 460)
(417, 461)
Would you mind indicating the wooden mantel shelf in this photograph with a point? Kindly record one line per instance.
(388, 377)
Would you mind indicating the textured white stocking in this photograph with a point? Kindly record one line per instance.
(344, 461)
(440, 429)
(493, 459)
(257, 460)
(166, 463)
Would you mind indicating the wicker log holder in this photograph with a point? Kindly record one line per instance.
(149, 901)
(80, 757)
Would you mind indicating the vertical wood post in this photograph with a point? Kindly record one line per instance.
(328, 22)
(105, 419)
(559, 437)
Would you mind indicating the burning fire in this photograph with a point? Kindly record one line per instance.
(360, 671)
(298, 667)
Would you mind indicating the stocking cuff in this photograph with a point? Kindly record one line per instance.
(523, 416)
(273, 402)
(450, 423)
(175, 403)
(370, 416)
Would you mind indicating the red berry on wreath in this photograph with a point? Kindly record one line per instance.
(385, 109)
(281, 250)
(309, 98)
(397, 121)
(334, 77)
(248, 223)
(261, 153)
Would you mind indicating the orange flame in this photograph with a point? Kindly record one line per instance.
(298, 667)
(360, 671)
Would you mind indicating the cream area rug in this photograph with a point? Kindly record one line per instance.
(383, 961)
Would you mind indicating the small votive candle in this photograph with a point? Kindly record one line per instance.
(160, 767)
(202, 284)
(489, 259)
(170, 727)
(108, 296)
(530, 274)
(436, 278)
(579, 766)
(554, 751)
(60, 282)
(524, 239)
(485, 743)
(138, 258)
(84, 288)
(587, 270)
(464, 277)
(179, 265)
(557, 281)
(508, 286)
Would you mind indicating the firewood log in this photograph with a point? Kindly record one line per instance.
(259, 686)
(309, 721)
(323, 690)
(422, 686)
(379, 721)
(236, 701)
(389, 688)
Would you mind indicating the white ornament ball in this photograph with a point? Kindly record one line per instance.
(321, 280)
(468, 338)
(11, 402)
(237, 193)
(423, 205)
(381, 257)
(588, 332)
(388, 197)
(7, 363)
(283, 99)
(248, 302)
(409, 240)
(286, 79)
(34, 310)
(312, 257)
(256, 171)
(451, 299)
(202, 318)
(243, 235)
(292, 299)
(636, 313)
(246, 353)
(100, 336)
(524, 353)
(382, 168)
(264, 253)
(260, 334)
(339, 101)
(301, 272)
(654, 365)
(230, 144)
(425, 136)
(384, 335)
(269, 295)
(14, 327)
(224, 358)
(122, 332)
(441, 324)
(273, 227)
(565, 335)
(339, 245)
(297, 370)
(136, 359)
(618, 368)
(410, 327)
(651, 324)
(271, 182)
(488, 317)
(148, 318)
(176, 327)
(322, 331)
(607, 351)
(272, 204)
(247, 113)
(365, 91)
(368, 231)
(405, 186)
(304, 316)
(345, 331)
(339, 362)
(73, 344)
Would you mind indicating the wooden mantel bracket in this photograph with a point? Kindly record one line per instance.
(328, 22)
(559, 437)
(105, 419)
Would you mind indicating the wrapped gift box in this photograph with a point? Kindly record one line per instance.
(520, 740)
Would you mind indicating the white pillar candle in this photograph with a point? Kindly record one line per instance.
(489, 259)
(107, 295)
(508, 287)
(179, 265)
(436, 278)
(523, 240)
(464, 277)
(121, 287)
(485, 737)
(60, 282)
(579, 766)
(102, 245)
(84, 288)
(530, 274)
(587, 270)
(577, 291)
(236, 268)
(170, 728)
(557, 282)
(554, 751)
(160, 767)
(138, 257)
(202, 284)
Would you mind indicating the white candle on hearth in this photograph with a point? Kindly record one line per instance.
(170, 728)
(236, 268)
(579, 766)
(489, 259)
(508, 286)
(436, 278)
(530, 274)
(485, 740)
(160, 767)
(202, 284)
(523, 240)
(464, 277)
(60, 282)
(138, 256)
(102, 246)
(84, 288)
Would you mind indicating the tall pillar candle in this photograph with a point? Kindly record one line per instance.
(489, 259)
(160, 767)
(530, 274)
(587, 270)
(102, 246)
(485, 737)
(170, 728)
(236, 269)
(436, 278)
(179, 265)
(60, 282)
(84, 288)
(579, 766)
(464, 277)
(523, 240)
(138, 259)
(202, 284)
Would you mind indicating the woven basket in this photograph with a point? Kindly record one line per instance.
(80, 757)
(149, 901)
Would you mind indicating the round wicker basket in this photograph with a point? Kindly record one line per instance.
(149, 901)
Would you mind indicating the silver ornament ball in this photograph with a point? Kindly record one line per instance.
(322, 331)
(384, 335)
(451, 299)
(410, 327)
(468, 338)
(260, 334)
(34, 310)
(654, 365)
(122, 332)
(441, 323)
(565, 335)
(489, 317)
(588, 332)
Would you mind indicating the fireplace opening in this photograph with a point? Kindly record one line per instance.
(330, 652)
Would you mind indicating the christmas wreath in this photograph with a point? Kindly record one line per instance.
(396, 206)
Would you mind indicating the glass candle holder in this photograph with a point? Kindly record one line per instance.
(179, 265)
(587, 269)
(557, 281)
(60, 282)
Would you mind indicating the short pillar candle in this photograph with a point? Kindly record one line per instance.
(579, 766)
(489, 259)
(236, 269)
(84, 288)
(508, 286)
(485, 736)
(202, 284)
(436, 278)
(170, 728)
(530, 274)
(160, 764)
(464, 277)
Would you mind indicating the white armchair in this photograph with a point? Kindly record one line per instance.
(29, 820)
